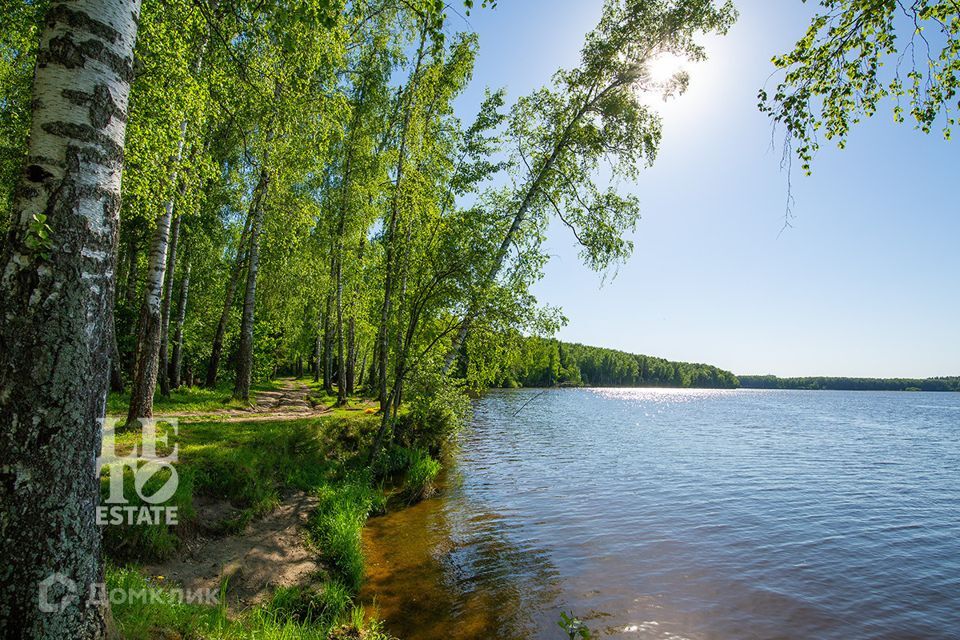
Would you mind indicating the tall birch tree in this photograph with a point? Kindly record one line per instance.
(594, 115)
(56, 297)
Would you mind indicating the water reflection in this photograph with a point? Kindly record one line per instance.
(441, 569)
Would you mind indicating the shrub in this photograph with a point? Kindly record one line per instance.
(438, 408)
(509, 383)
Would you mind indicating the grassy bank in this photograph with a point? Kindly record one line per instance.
(330, 615)
(253, 466)
(190, 400)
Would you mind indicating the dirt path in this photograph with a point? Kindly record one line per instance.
(269, 553)
(289, 402)
(291, 397)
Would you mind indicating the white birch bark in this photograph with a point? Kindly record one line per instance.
(177, 357)
(163, 367)
(146, 364)
(56, 297)
(152, 335)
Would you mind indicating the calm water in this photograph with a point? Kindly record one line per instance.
(685, 514)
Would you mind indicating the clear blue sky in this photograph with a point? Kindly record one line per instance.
(866, 282)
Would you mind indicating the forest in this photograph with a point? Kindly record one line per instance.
(197, 196)
(851, 384)
(547, 362)
(298, 189)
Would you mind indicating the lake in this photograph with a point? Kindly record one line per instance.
(684, 514)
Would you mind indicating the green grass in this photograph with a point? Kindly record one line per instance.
(318, 396)
(326, 605)
(149, 611)
(413, 471)
(421, 472)
(249, 464)
(336, 526)
(253, 465)
(157, 541)
(189, 399)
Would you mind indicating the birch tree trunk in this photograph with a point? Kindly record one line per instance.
(116, 369)
(519, 216)
(56, 296)
(129, 297)
(344, 386)
(149, 337)
(241, 389)
(328, 348)
(133, 274)
(217, 348)
(163, 369)
(341, 364)
(152, 338)
(341, 358)
(373, 381)
(176, 360)
(383, 337)
(318, 353)
(390, 237)
(363, 368)
(351, 365)
(148, 331)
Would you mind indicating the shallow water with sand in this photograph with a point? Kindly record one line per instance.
(684, 514)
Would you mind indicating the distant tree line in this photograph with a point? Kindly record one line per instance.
(546, 362)
(851, 384)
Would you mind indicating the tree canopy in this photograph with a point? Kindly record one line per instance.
(857, 54)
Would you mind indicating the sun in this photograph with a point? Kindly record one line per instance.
(666, 65)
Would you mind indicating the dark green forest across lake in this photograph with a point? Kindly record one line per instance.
(851, 384)
(544, 362)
